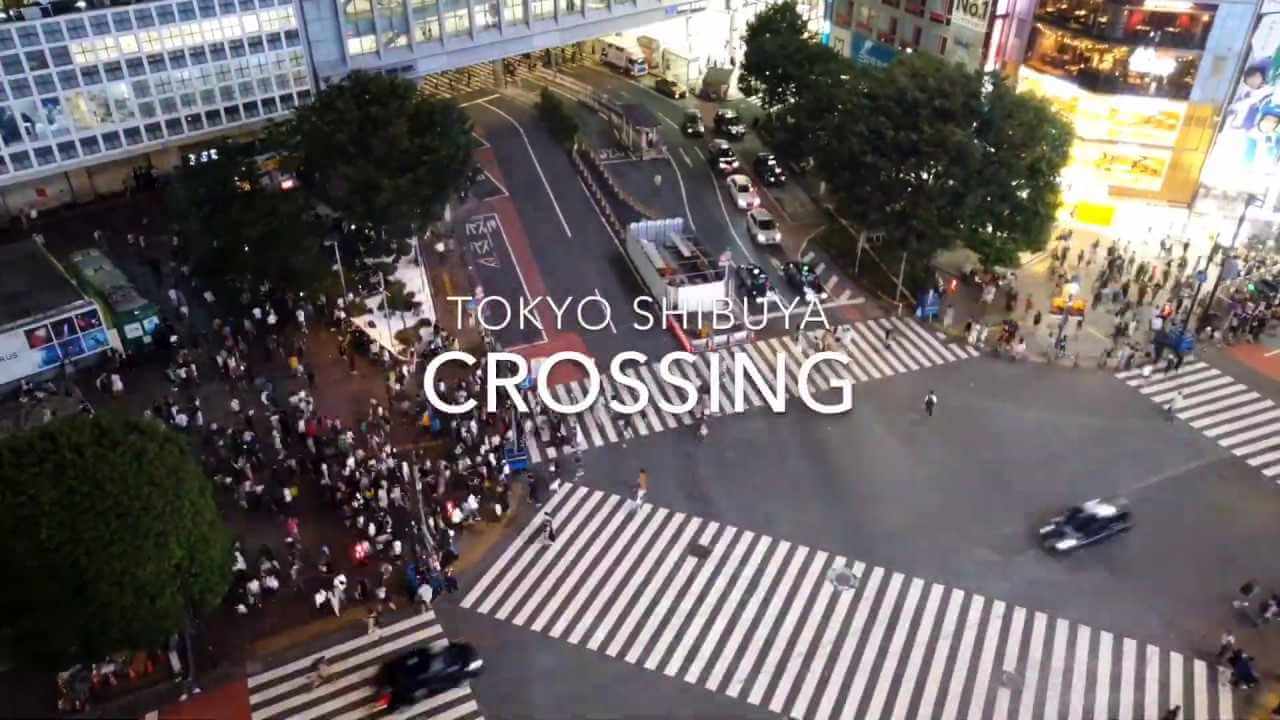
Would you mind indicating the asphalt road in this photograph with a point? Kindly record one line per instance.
(953, 499)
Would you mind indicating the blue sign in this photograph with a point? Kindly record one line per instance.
(1202, 276)
(866, 51)
(927, 305)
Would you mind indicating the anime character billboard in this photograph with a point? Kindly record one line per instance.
(1246, 155)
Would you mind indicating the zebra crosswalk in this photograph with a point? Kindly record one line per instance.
(811, 634)
(285, 690)
(1222, 409)
(912, 347)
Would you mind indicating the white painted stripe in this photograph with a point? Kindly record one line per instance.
(1079, 674)
(1254, 420)
(1252, 448)
(768, 361)
(649, 412)
(836, 682)
(1032, 671)
(569, 394)
(699, 373)
(1151, 689)
(1200, 689)
(1271, 471)
(307, 662)
(746, 618)
(1178, 381)
(1228, 414)
(1226, 711)
(1264, 459)
(688, 596)
(982, 677)
(622, 600)
(924, 343)
(895, 348)
(890, 664)
(566, 535)
(571, 584)
(807, 634)
(808, 257)
(963, 656)
(911, 673)
(777, 354)
(517, 548)
(1102, 675)
(778, 594)
(1175, 680)
(567, 557)
(1268, 429)
(1132, 380)
(865, 368)
(580, 493)
(1128, 667)
(947, 352)
(1205, 392)
(819, 268)
(908, 345)
(689, 637)
(871, 651)
(812, 579)
(1203, 409)
(414, 710)
(652, 586)
(634, 521)
(1057, 664)
(656, 391)
(933, 683)
(628, 396)
(858, 335)
(672, 588)
(815, 670)
(654, 517)
(600, 411)
(876, 345)
(749, 394)
(819, 375)
(1012, 644)
(712, 639)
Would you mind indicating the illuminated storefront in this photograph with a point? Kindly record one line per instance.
(1142, 82)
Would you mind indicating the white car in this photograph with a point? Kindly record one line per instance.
(763, 228)
(743, 192)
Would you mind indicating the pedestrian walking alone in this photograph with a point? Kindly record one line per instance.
(888, 336)
(1175, 402)
(930, 402)
(548, 528)
(1226, 645)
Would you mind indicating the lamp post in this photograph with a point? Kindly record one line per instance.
(337, 256)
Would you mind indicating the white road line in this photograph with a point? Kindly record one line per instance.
(1271, 429)
(983, 677)
(653, 518)
(685, 157)
(724, 210)
(688, 596)
(884, 684)
(305, 663)
(655, 584)
(482, 100)
(746, 617)
(572, 396)
(517, 549)
(811, 580)
(1199, 397)
(1128, 667)
(729, 608)
(1219, 405)
(778, 594)
(1228, 414)
(656, 390)
(536, 165)
(1225, 701)
(807, 634)
(690, 636)
(836, 681)
(933, 683)
(635, 521)
(1102, 687)
(814, 671)
(570, 584)
(688, 214)
(871, 651)
(1175, 679)
(1178, 381)
(963, 656)
(911, 673)
(1151, 690)
(1057, 664)
(1200, 689)
(535, 575)
(1032, 671)
(1012, 644)
(1254, 420)
(568, 557)
(621, 601)
(1079, 674)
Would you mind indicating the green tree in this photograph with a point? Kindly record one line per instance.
(781, 60)
(110, 537)
(241, 233)
(376, 150)
(939, 156)
(559, 120)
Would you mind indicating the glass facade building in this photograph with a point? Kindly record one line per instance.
(81, 87)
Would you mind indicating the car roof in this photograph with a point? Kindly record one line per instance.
(764, 156)
(693, 112)
(739, 178)
(727, 112)
(760, 214)
(1099, 507)
(721, 144)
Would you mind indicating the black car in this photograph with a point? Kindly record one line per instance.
(427, 671)
(729, 124)
(670, 88)
(722, 157)
(769, 170)
(1086, 523)
(753, 284)
(692, 125)
(802, 278)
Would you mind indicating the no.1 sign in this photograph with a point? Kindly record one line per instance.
(971, 14)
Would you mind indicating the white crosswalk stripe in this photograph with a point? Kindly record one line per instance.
(285, 690)
(763, 620)
(912, 348)
(1222, 409)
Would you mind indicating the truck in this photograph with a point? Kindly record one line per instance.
(683, 66)
(677, 270)
(625, 55)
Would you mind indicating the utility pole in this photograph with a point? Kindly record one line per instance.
(1249, 202)
(902, 271)
(342, 276)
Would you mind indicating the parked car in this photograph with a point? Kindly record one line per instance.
(769, 170)
(722, 157)
(804, 280)
(426, 671)
(670, 88)
(742, 191)
(692, 125)
(1086, 523)
(753, 283)
(762, 228)
(729, 124)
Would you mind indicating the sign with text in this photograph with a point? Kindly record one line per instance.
(971, 14)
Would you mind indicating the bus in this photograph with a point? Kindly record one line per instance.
(133, 316)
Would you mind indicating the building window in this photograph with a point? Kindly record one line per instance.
(112, 141)
(173, 127)
(513, 11)
(543, 9)
(36, 60)
(21, 161)
(45, 156)
(52, 33)
(362, 45)
(426, 30)
(28, 36)
(1104, 67)
(68, 151)
(133, 136)
(269, 106)
(60, 55)
(195, 122)
(90, 146)
(486, 14)
(456, 19)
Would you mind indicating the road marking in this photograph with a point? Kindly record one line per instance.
(480, 101)
(1273, 352)
(537, 166)
(687, 161)
(680, 179)
(668, 120)
(724, 210)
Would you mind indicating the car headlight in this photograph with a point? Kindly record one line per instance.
(760, 237)
(1066, 543)
(1046, 529)
(475, 665)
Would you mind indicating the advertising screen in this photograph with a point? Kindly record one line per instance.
(1247, 150)
(40, 346)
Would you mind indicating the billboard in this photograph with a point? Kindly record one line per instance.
(866, 51)
(37, 347)
(1246, 154)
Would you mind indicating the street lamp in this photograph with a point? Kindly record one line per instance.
(337, 255)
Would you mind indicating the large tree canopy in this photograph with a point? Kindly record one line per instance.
(110, 534)
(936, 156)
(241, 233)
(379, 152)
